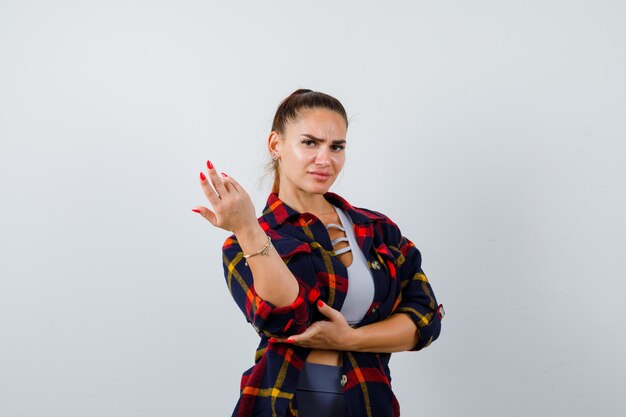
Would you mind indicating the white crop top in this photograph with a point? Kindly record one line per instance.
(360, 282)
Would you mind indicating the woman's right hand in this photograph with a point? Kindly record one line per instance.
(233, 209)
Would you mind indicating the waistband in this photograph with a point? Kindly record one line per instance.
(321, 378)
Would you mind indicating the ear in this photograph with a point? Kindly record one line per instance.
(274, 142)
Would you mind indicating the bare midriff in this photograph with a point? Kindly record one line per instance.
(325, 357)
(329, 356)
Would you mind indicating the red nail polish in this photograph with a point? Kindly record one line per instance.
(202, 176)
(289, 341)
(209, 164)
(272, 340)
(224, 175)
(320, 303)
(196, 210)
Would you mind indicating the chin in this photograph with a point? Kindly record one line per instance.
(318, 188)
(322, 190)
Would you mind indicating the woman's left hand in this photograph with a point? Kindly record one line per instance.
(334, 333)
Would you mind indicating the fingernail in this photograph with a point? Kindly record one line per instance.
(273, 340)
(224, 175)
(320, 303)
(289, 341)
(196, 210)
(209, 164)
(202, 176)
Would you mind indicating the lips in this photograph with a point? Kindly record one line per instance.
(320, 175)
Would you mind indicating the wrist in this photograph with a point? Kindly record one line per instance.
(251, 239)
(249, 231)
(354, 341)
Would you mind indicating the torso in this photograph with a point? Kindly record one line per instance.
(326, 356)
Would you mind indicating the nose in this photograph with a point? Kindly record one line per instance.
(322, 158)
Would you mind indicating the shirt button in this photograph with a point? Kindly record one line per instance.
(344, 380)
(375, 265)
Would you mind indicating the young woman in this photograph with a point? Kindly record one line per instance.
(331, 289)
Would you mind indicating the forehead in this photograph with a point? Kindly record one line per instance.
(322, 123)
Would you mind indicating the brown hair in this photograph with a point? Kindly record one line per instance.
(289, 110)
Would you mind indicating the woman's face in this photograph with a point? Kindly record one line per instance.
(311, 151)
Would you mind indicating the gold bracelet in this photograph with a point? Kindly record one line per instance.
(263, 251)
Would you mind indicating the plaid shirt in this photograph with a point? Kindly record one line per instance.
(267, 388)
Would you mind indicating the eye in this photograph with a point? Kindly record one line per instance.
(338, 148)
(308, 142)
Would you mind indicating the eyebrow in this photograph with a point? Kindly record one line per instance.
(334, 142)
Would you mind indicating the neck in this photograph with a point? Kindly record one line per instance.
(304, 202)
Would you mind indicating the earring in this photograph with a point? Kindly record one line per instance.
(274, 156)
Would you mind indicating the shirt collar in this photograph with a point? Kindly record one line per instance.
(276, 212)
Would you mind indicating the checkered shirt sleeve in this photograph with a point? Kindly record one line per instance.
(266, 318)
(417, 298)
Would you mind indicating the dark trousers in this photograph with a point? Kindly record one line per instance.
(319, 392)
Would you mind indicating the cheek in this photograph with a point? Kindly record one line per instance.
(301, 156)
(297, 161)
(339, 161)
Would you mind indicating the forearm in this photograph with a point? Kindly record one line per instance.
(273, 281)
(396, 333)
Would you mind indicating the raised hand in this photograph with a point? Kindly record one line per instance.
(233, 209)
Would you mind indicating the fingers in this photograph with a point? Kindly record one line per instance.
(305, 337)
(215, 179)
(209, 192)
(232, 182)
(215, 187)
(328, 311)
(225, 182)
(313, 336)
(206, 213)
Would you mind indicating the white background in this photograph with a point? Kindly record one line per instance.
(492, 132)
